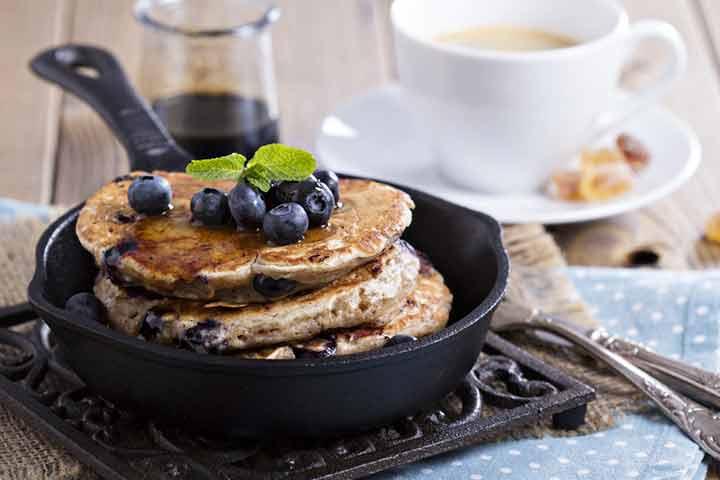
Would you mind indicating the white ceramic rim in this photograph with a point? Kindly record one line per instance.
(621, 25)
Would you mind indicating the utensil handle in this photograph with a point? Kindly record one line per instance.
(630, 103)
(697, 383)
(95, 76)
(698, 423)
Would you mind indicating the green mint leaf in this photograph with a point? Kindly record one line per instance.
(274, 162)
(259, 177)
(229, 167)
(281, 162)
(261, 183)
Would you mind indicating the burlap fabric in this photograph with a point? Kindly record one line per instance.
(24, 453)
(537, 279)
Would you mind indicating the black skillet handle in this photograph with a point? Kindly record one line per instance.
(15, 314)
(109, 92)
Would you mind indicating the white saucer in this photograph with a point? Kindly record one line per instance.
(375, 135)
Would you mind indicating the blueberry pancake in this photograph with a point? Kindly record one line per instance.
(367, 295)
(424, 311)
(169, 255)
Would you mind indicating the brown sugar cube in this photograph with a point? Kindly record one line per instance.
(602, 156)
(635, 153)
(605, 181)
(565, 185)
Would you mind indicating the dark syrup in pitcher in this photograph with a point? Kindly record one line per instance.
(212, 125)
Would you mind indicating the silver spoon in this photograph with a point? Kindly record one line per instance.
(698, 423)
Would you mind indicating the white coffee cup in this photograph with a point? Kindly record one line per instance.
(502, 121)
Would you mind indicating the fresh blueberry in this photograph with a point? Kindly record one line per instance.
(316, 348)
(86, 305)
(247, 206)
(270, 196)
(285, 224)
(152, 325)
(318, 202)
(205, 337)
(280, 192)
(283, 192)
(330, 178)
(399, 339)
(150, 195)
(273, 287)
(112, 257)
(210, 207)
(286, 192)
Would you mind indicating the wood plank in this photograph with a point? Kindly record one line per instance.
(88, 154)
(709, 11)
(30, 107)
(325, 51)
(708, 16)
(386, 43)
(675, 223)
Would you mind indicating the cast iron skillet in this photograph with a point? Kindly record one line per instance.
(309, 397)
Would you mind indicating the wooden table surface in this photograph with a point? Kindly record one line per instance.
(54, 149)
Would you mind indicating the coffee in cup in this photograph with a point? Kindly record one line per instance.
(508, 38)
(508, 90)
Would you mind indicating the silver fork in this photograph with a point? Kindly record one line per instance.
(698, 384)
(698, 423)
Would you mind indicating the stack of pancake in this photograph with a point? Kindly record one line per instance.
(346, 288)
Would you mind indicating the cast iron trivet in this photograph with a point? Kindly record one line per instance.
(507, 389)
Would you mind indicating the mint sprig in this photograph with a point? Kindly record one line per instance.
(229, 167)
(273, 162)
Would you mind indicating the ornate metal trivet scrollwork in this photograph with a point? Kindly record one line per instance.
(502, 381)
(116, 443)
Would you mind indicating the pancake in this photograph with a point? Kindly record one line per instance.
(425, 311)
(364, 296)
(169, 255)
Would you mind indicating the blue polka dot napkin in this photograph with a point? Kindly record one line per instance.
(677, 314)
